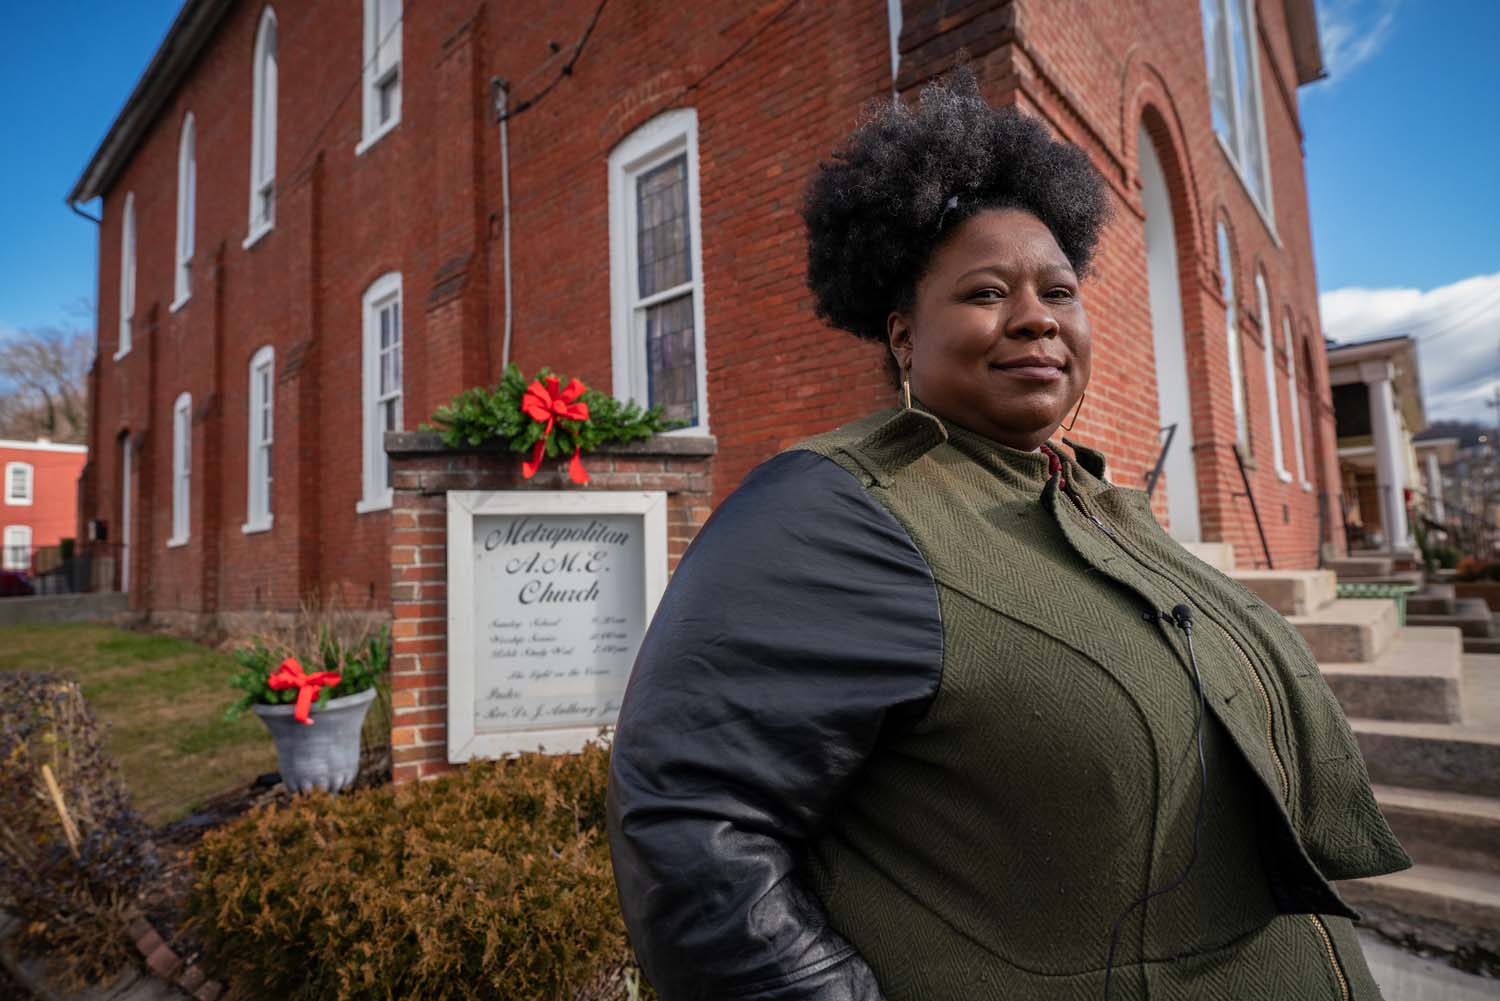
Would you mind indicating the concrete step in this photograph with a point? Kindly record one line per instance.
(1360, 567)
(1433, 600)
(1471, 615)
(1445, 757)
(1419, 678)
(1291, 592)
(1446, 909)
(1444, 828)
(1349, 629)
(1219, 555)
(1482, 644)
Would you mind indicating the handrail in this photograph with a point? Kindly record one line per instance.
(1239, 460)
(1155, 474)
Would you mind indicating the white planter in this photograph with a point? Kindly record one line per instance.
(325, 755)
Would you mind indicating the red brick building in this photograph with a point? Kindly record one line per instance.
(315, 228)
(38, 498)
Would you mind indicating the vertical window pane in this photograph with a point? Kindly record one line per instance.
(1216, 44)
(671, 359)
(663, 253)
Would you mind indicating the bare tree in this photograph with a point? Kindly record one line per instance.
(44, 383)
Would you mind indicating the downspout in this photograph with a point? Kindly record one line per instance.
(501, 91)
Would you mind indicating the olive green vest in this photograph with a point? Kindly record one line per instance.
(989, 851)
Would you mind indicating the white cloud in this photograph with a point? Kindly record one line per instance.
(1457, 328)
(1353, 32)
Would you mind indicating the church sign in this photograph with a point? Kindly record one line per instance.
(549, 595)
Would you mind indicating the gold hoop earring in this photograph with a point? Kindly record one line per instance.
(1069, 425)
(906, 387)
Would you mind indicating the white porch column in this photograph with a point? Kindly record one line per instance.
(1387, 435)
(1435, 486)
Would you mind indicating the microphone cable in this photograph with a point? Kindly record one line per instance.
(1182, 617)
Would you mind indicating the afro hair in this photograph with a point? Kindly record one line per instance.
(885, 202)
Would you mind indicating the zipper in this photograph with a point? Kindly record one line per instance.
(1244, 658)
(1333, 957)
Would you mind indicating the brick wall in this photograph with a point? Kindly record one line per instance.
(424, 471)
(775, 86)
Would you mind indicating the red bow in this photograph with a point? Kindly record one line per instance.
(544, 404)
(290, 675)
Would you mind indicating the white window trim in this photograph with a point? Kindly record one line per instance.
(381, 291)
(659, 140)
(262, 124)
(1296, 404)
(182, 470)
(1236, 374)
(1273, 396)
(127, 278)
(18, 532)
(370, 131)
(1252, 34)
(258, 479)
(12, 499)
(187, 212)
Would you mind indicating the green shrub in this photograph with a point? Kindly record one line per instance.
(69, 873)
(493, 882)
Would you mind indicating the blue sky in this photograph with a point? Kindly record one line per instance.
(1401, 141)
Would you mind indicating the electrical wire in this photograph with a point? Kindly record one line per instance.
(749, 40)
(566, 71)
(1182, 617)
(358, 80)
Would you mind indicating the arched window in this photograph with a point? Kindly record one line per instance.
(382, 75)
(187, 200)
(182, 467)
(1229, 40)
(656, 269)
(1236, 375)
(263, 130)
(1268, 340)
(1293, 399)
(127, 277)
(382, 386)
(20, 483)
(262, 424)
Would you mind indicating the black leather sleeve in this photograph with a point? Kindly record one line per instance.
(799, 625)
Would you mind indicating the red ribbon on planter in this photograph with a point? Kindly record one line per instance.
(545, 404)
(291, 675)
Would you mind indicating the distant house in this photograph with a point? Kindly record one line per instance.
(39, 498)
(316, 229)
(1377, 405)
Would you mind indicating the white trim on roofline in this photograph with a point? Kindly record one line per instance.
(42, 446)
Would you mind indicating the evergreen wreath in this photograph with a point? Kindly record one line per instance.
(480, 415)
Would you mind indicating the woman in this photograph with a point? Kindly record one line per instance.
(933, 712)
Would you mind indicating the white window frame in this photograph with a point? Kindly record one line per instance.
(16, 537)
(1236, 145)
(262, 435)
(374, 77)
(127, 277)
(182, 470)
(27, 496)
(1273, 396)
(264, 90)
(1236, 375)
(187, 209)
(659, 140)
(385, 290)
(1296, 404)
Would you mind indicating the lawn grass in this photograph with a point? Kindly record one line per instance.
(162, 701)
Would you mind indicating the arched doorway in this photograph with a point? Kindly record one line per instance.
(1173, 400)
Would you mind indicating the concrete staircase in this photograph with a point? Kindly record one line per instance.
(1436, 605)
(1426, 714)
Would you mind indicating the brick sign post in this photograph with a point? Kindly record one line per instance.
(423, 472)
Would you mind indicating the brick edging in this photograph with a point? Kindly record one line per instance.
(163, 961)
